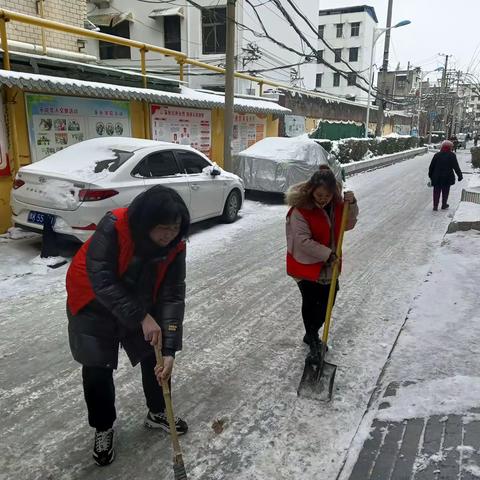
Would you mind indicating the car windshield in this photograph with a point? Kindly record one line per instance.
(113, 164)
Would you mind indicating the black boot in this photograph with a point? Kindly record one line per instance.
(306, 339)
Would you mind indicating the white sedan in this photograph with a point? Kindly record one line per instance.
(73, 188)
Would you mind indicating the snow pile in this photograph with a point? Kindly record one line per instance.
(467, 212)
(14, 233)
(442, 396)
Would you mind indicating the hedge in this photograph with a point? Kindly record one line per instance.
(355, 149)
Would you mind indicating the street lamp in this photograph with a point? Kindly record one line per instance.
(377, 33)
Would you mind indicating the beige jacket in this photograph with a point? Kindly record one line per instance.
(304, 248)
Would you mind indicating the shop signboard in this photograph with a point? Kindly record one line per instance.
(185, 126)
(248, 129)
(56, 122)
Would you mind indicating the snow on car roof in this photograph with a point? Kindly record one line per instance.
(80, 161)
(282, 149)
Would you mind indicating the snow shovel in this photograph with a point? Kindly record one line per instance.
(318, 377)
(179, 472)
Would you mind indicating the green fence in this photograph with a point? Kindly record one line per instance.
(338, 130)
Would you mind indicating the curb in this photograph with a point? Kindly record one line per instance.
(383, 161)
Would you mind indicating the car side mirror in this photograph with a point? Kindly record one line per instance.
(215, 172)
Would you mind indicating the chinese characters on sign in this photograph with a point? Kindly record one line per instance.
(247, 130)
(185, 126)
(56, 122)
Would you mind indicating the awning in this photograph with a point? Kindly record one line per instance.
(110, 19)
(168, 12)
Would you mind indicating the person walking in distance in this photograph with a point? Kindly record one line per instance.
(126, 286)
(312, 231)
(441, 172)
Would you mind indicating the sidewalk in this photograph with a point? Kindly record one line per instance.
(423, 421)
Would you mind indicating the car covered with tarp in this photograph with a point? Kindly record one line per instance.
(276, 163)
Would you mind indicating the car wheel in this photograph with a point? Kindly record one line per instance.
(232, 206)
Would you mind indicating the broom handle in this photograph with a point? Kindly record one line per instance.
(336, 269)
(177, 451)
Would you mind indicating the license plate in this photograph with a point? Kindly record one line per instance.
(41, 218)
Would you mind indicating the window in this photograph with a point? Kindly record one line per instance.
(339, 30)
(338, 54)
(353, 54)
(109, 51)
(319, 56)
(321, 31)
(171, 31)
(192, 163)
(318, 81)
(336, 79)
(158, 164)
(351, 79)
(214, 30)
(355, 29)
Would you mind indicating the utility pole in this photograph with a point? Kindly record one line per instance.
(229, 86)
(381, 89)
(444, 91)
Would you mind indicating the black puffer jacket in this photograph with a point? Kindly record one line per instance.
(114, 316)
(442, 168)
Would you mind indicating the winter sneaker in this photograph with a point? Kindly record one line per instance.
(444, 207)
(103, 451)
(159, 420)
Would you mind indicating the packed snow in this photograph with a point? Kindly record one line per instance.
(243, 352)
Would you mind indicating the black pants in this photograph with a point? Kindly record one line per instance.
(99, 393)
(314, 304)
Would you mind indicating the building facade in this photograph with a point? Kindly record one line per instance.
(349, 33)
(72, 12)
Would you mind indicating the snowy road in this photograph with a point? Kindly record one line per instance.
(243, 354)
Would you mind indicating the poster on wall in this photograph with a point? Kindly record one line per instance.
(294, 125)
(247, 129)
(56, 122)
(185, 126)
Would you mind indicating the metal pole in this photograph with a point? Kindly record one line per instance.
(370, 81)
(3, 35)
(419, 106)
(381, 84)
(143, 63)
(444, 90)
(229, 86)
(44, 41)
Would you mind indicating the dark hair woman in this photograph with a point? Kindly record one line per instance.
(126, 286)
(441, 173)
(312, 229)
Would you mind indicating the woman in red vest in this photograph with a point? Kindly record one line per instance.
(126, 286)
(312, 228)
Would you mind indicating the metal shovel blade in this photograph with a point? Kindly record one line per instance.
(317, 381)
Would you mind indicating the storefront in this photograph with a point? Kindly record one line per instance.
(52, 113)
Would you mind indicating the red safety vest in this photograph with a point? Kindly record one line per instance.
(320, 229)
(79, 289)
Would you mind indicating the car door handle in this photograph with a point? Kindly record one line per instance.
(195, 186)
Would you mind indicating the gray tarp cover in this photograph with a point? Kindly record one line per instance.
(276, 163)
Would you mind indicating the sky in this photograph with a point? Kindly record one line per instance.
(438, 26)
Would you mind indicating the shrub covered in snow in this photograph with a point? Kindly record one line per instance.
(350, 150)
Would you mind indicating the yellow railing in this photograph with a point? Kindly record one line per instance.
(180, 57)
